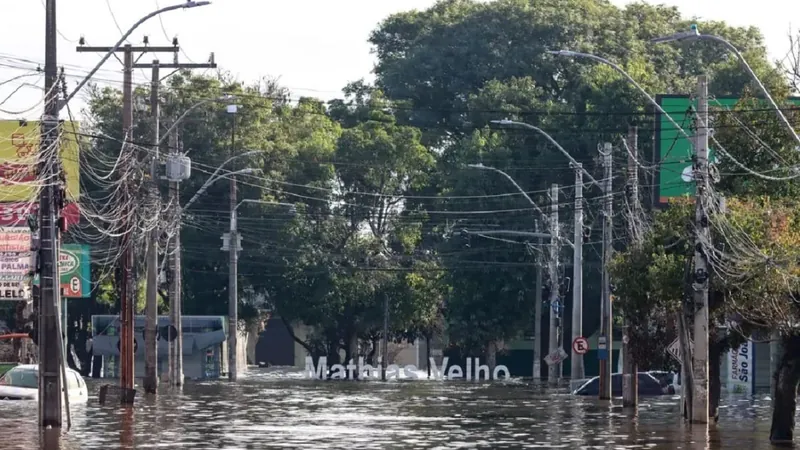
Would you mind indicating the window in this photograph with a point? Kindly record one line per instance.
(24, 378)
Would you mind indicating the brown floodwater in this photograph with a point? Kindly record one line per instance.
(277, 409)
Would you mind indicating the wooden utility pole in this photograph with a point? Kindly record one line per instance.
(630, 385)
(50, 381)
(700, 281)
(127, 302)
(554, 370)
(577, 371)
(605, 340)
(537, 314)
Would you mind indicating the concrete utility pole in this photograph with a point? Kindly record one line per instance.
(385, 337)
(606, 337)
(700, 280)
(577, 371)
(176, 344)
(151, 305)
(554, 371)
(50, 382)
(630, 385)
(127, 302)
(233, 307)
(537, 316)
(151, 309)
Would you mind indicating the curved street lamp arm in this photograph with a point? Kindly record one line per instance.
(213, 179)
(554, 142)
(631, 80)
(545, 217)
(185, 113)
(189, 4)
(755, 78)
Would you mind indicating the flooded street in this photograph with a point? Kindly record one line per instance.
(280, 410)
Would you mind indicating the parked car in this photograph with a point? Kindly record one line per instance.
(22, 383)
(648, 386)
(670, 380)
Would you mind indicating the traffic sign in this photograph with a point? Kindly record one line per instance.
(601, 343)
(555, 357)
(580, 345)
(674, 349)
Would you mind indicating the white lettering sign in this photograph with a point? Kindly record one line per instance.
(475, 371)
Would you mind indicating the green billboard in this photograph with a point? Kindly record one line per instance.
(674, 151)
(74, 266)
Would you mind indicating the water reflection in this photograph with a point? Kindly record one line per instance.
(270, 409)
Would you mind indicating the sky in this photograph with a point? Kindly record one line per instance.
(314, 47)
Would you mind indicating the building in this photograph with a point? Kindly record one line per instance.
(204, 345)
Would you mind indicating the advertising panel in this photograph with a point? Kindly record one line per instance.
(15, 263)
(74, 267)
(741, 369)
(16, 214)
(19, 143)
(674, 151)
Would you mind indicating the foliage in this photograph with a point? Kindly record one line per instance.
(753, 271)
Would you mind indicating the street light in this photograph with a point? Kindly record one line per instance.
(569, 53)
(190, 109)
(511, 123)
(186, 5)
(508, 177)
(214, 177)
(232, 240)
(694, 35)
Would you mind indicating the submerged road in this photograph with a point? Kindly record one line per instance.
(276, 409)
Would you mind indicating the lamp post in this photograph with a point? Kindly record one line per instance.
(186, 5)
(232, 244)
(694, 35)
(577, 368)
(52, 384)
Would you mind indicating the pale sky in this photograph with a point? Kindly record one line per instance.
(314, 46)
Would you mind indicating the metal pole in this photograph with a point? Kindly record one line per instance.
(605, 344)
(537, 316)
(151, 307)
(700, 281)
(630, 385)
(49, 375)
(385, 338)
(554, 370)
(577, 369)
(232, 271)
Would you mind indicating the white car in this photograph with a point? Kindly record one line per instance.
(22, 383)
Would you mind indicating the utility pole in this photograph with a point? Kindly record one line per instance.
(176, 344)
(49, 339)
(175, 369)
(385, 337)
(151, 306)
(554, 370)
(577, 368)
(233, 307)
(127, 302)
(605, 340)
(537, 316)
(630, 385)
(701, 277)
